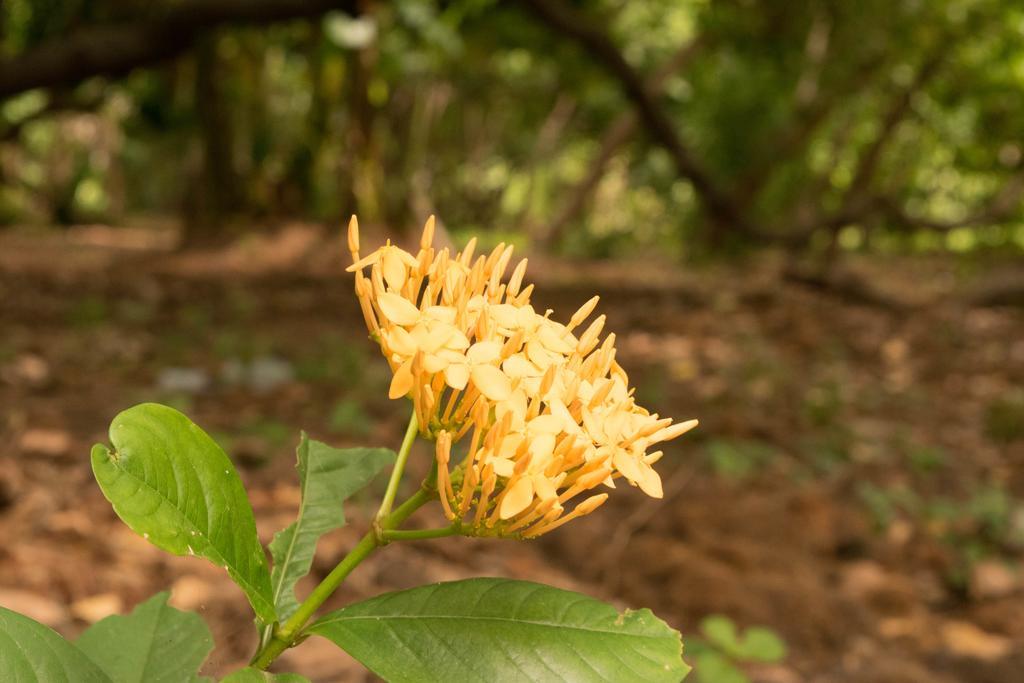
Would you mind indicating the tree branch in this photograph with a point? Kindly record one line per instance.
(897, 112)
(857, 202)
(718, 204)
(621, 130)
(1001, 208)
(115, 49)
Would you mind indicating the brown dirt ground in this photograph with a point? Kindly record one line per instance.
(834, 435)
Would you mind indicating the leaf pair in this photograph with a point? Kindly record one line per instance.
(719, 655)
(172, 484)
(756, 644)
(154, 644)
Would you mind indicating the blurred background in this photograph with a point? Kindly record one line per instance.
(805, 219)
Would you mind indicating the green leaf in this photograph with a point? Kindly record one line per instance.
(721, 632)
(714, 667)
(33, 653)
(757, 643)
(253, 675)
(173, 484)
(154, 643)
(328, 476)
(762, 645)
(503, 630)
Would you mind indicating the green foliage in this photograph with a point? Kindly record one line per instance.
(720, 654)
(252, 675)
(544, 633)
(349, 417)
(927, 459)
(980, 525)
(88, 311)
(33, 653)
(823, 403)
(1004, 418)
(327, 477)
(736, 458)
(757, 644)
(172, 484)
(501, 119)
(334, 360)
(274, 433)
(886, 504)
(827, 450)
(154, 643)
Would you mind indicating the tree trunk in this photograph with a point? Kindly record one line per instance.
(218, 194)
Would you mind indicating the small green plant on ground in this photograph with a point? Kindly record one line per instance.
(349, 417)
(738, 458)
(526, 418)
(983, 525)
(721, 651)
(1004, 417)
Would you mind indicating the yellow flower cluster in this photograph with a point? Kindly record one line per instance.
(550, 411)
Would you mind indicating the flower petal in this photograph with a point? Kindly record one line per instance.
(483, 352)
(504, 315)
(545, 424)
(433, 363)
(491, 382)
(517, 498)
(401, 342)
(503, 467)
(516, 365)
(402, 382)
(397, 309)
(444, 314)
(456, 375)
(627, 465)
(649, 481)
(544, 487)
(393, 269)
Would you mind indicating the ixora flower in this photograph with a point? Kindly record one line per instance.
(549, 414)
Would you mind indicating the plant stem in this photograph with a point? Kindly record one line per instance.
(417, 534)
(284, 635)
(399, 469)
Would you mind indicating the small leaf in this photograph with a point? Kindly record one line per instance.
(154, 643)
(762, 645)
(721, 632)
(328, 476)
(713, 667)
(253, 675)
(173, 484)
(503, 630)
(33, 653)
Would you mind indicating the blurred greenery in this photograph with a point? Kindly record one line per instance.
(984, 523)
(884, 124)
(720, 653)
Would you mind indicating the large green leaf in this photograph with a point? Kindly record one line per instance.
(253, 675)
(154, 643)
(173, 484)
(502, 630)
(328, 476)
(33, 653)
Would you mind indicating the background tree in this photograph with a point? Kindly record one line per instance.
(686, 125)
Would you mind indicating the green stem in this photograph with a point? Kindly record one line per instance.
(417, 534)
(285, 635)
(399, 469)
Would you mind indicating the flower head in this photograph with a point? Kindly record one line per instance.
(550, 413)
